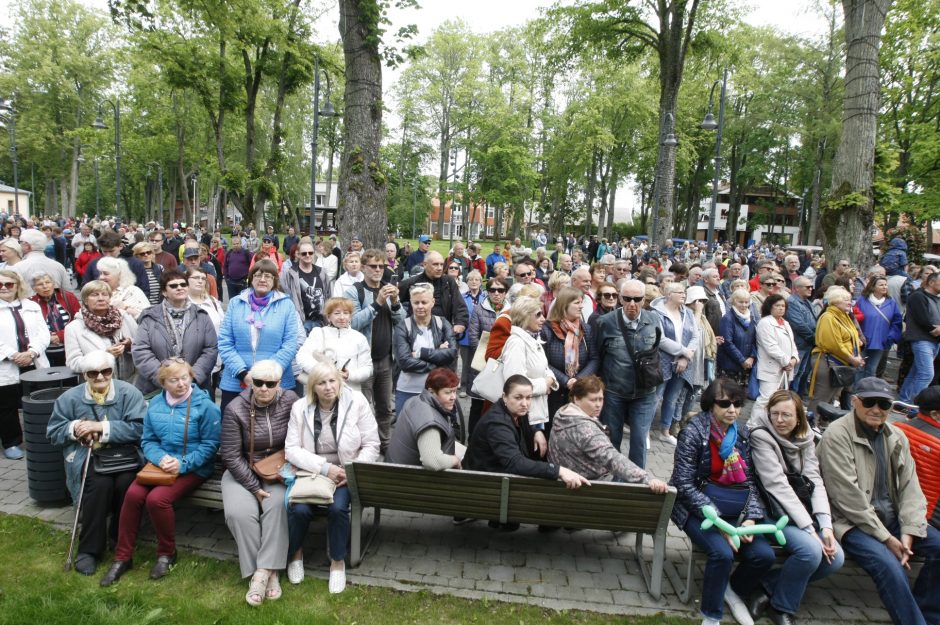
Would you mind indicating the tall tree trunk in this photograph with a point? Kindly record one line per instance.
(589, 195)
(362, 188)
(443, 174)
(813, 217)
(613, 180)
(848, 219)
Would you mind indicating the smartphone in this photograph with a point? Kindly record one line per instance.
(393, 280)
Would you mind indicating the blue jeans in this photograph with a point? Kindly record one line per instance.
(673, 396)
(919, 607)
(638, 413)
(801, 376)
(400, 398)
(921, 374)
(872, 360)
(757, 558)
(310, 324)
(805, 564)
(299, 516)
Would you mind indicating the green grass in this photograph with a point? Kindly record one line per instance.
(35, 590)
(443, 246)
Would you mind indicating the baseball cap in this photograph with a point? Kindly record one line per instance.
(189, 252)
(268, 238)
(424, 239)
(874, 387)
(67, 231)
(355, 237)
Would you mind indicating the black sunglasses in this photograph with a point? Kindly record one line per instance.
(267, 383)
(881, 402)
(609, 295)
(635, 300)
(496, 290)
(94, 374)
(727, 403)
(379, 266)
(177, 285)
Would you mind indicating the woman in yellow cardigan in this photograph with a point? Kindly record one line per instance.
(837, 343)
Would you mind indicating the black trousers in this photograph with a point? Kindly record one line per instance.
(104, 496)
(10, 431)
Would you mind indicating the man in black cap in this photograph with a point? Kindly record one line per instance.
(879, 512)
(416, 258)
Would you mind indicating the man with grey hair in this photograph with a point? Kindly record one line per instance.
(734, 272)
(715, 305)
(628, 398)
(35, 261)
(791, 269)
(581, 280)
(802, 318)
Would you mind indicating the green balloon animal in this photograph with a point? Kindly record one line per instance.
(713, 519)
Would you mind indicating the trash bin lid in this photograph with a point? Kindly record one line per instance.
(49, 374)
(47, 394)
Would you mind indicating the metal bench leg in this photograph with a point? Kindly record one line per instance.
(355, 531)
(652, 575)
(685, 593)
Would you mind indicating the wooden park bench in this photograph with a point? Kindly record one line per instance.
(511, 499)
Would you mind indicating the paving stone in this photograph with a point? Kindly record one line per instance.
(613, 565)
(590, 565)
(598, 595)
(489, 585)
(580, 578)
(527, 575)
(606, 580)
(473, 570)
(512, 558)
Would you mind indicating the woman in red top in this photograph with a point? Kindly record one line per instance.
(89, 254)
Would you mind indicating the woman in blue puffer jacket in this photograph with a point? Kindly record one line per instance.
(261, 323)
(181, 436)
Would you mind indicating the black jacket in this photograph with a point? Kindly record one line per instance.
(448, 302)
(403, 340)
(499, 446)
(923, 312)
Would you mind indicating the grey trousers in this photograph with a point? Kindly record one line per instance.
(259, 529)
(378, 390)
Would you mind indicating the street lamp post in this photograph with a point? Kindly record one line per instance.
(326, 112)
(669, 140)
(709, 123)
(453, 201)
(97, 192)
(159, 191)
(195, 199)
(100, 125)
(11, 116)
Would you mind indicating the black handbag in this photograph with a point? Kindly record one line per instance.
(116, 458)
(840, 375)
(802, 486)
(646, 364)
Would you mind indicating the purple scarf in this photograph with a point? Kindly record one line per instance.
(257, 307)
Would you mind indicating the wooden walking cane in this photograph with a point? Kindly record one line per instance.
(78, 511)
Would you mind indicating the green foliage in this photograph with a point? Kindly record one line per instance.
(914, 237)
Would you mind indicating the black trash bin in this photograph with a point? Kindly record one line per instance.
(45, 464)
(50, 377)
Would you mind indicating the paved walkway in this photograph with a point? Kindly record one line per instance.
(584, 570)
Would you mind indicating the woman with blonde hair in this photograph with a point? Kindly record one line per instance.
(331, 426)
(100, 326)
(837, 344)
(523, 354)
(125, 295)
(352, 264)
(556, 282)
(569, 345)
(348, 349)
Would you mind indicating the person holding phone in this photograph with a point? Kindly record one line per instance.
(346, 348)
(376, 312)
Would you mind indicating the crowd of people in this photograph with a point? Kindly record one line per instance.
(322, 355)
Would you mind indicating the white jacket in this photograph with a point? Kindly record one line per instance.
(523, 354)
(131, 300)
(775, 348)
(356, 430)
(37, 336)
(79, 340)
(329, 264)
(344, 282)
(345, 344)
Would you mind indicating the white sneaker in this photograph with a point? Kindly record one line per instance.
(738, 608)
(295, 571)
(710, 621)
(666, 437)
(648, 442)
(338, 582)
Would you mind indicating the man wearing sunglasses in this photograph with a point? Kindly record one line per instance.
(879, 512)
(628, 400)
(307, 284)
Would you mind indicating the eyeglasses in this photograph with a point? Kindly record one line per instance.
(93, 375)
(7, 285)
(177, 285)
(651, 283)
(609, 295)
(144, 254)
(263, 275)
(454, 268)
(496, 290)
(524, 275)
(635, 300)
(156, 240)
(379, 266)
(265, 383)
(881, 402)
(306, 253)
(727, 403)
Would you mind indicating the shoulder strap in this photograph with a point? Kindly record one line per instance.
(361, 292)
(251, 432)
(189, 403)
(408, 325)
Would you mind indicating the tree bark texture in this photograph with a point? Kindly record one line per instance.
(362, 185)
(847, 221)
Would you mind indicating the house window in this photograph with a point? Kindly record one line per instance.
(489, 230)
(446, 232)
(490, 212)
(321, 199)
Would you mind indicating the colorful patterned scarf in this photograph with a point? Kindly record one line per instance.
(103, 325)
(572, 331)
(734, 471)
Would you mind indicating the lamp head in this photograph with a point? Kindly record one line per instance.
(99, 124)
(670, 141)
(328, 110)
(709, 122)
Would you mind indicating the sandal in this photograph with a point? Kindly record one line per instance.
(256, 589)
(273, 590)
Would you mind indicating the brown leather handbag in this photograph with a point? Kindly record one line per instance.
(151, 474)
(269, 467)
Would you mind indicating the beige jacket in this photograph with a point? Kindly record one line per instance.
(848, 468)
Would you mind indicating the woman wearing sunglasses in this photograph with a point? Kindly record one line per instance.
(24, 338)
(481, 322)
(102, 412)
(254, 426)
(331, 426)
(783, 445)
(181, 436)
(713, 467)
(174, 328)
